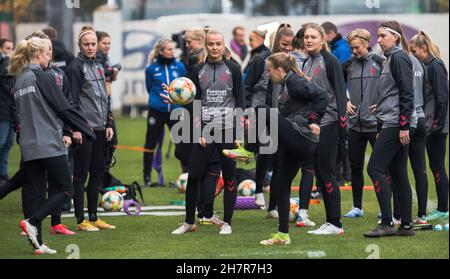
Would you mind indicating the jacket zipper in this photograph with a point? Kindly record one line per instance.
(362, 96)
(168, 83)
(98, 85)
(214, 76)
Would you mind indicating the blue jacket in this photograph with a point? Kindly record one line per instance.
(340, 48)
(155, 75)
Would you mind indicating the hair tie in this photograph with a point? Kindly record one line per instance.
(392, 31)
(85, 32)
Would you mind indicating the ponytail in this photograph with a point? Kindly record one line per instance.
(395, 28)
(424, 41)
(286, 62)
(160, 46)
(25, 51)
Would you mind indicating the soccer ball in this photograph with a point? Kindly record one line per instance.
(293, 211)
(182, 91)
(247, 188)
(112, 201)
(182, 182)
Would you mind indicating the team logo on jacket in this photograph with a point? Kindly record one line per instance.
(375, 69)
(58, 80)
(317, 70)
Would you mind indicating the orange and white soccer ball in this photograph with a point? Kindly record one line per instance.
(182, 182)
(182, 91)
(247, 188)
(293, 211)
(112, 201)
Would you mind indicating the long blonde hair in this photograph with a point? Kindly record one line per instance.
(284, 30)
(196, 34)
(160, 46)
(322, 33)
(285, 61)
(26, 51)
(423, 40)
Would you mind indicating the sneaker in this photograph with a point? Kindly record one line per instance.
(31, 231)
(225, 229)
(214, 220)
(329, 229)
(277, 239)
(421, 220)
(405, 231)
(238, 153)
(303, 223)
(260, 201)
(437, 215)
(185, 228)
(273, 214)
(324, 226)
(86, 226)
(354, 213)
(146, 180)
(102, 225)
(61, 229)
(44, 249)
(381, 230)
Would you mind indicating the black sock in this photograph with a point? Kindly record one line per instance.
(336, 222)
(208, 210)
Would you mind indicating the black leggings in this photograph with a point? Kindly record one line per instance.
(89, 158)
(293, 150)
(390, 156)
(155, 125)
(306, 184)
(197, 168)
(436, 147)
(325, 167)
(263, 162)
(357, 143)
(57, 169)
(18, 181)
(208, 186)
(417, 158)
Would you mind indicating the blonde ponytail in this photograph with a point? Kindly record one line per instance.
(423, 40)
(25, 51)
(160, 46)
(286, 62)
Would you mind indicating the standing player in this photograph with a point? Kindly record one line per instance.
(220, 89)
(88, 88)
(40, 108)
(362, 74)
(395, 107)
(436, 116)
(324, 69)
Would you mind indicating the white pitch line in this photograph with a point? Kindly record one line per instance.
(147, 208)
(115, 214)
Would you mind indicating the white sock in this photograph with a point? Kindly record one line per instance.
(303, 213)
